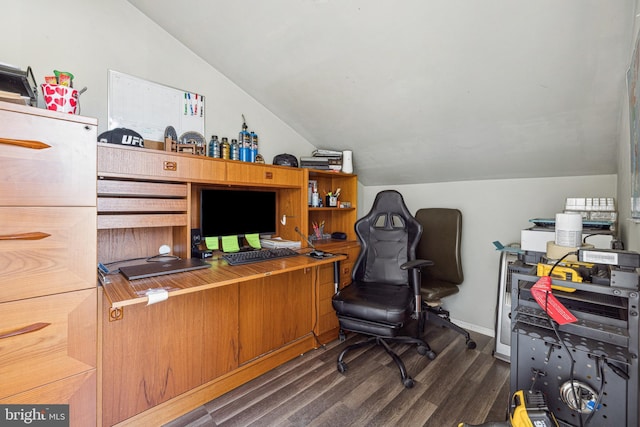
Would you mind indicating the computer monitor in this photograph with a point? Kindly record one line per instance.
(229, 212)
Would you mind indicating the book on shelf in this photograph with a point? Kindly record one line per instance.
(326, 153)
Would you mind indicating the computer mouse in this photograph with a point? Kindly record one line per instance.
(316, 254)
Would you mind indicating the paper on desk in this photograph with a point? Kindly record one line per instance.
(156, 295)
(212, 243)
(278, 242)
(253, 240)
(230, 244)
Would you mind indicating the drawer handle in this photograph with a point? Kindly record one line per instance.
(31, 328)
(170, 166)
(36, 145)
(268, 175)
(35, 235)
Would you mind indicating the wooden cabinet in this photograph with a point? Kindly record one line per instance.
(157, 352)
(275, 311)
(220, 327)
(335, 219)
(48, 297)
(327, 327)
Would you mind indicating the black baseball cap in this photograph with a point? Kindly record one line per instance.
(122, 136)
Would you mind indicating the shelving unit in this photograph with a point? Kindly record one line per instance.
(335, 218)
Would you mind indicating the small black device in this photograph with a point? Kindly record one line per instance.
(338, 235)
(15, 80)
(317, 254)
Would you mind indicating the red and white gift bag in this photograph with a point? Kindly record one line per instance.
(60, 98)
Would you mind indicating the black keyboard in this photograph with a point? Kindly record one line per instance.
(237, 258)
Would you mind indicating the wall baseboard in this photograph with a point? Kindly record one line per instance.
(475, 328)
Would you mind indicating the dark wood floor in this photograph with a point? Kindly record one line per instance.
(460, 385)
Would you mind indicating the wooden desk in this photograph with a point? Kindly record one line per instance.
(219, 328)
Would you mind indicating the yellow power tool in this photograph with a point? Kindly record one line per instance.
(528, 409)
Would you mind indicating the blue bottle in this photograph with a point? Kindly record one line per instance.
(253, 151)
(244, 143)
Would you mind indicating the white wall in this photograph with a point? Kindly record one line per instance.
(492, 210)
(629, 230)
(89, 37)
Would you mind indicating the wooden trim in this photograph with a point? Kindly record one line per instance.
(35, 145)
(34, 235)
(25, 330)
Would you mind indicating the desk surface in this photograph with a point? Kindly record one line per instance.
(121, 292)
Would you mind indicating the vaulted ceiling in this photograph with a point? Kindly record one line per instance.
(427, 90)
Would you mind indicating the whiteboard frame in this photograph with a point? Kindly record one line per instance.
(149, 108)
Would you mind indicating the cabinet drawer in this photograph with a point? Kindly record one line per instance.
(252, 174)
(46, 250)
(46, 339)
(48, 161)
(155, 164)
(346, 268)
(77, 391)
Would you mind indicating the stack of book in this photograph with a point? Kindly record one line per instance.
(322, 160)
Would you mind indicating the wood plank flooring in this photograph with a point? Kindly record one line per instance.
(460, 385)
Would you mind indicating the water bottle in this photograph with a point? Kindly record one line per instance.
(253, 151)
(244, 143)
(225, 149)
(235, 150)
(214, 147)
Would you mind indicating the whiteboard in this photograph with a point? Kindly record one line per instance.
(148, 108)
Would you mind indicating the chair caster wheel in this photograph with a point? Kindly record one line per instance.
(422, 350)
(342, 367)
(471, 344)
(408, 382)
(431, 354)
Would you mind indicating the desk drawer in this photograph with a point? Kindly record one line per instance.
(154, 164)
(46, 250)
(253, 174)
(48, 161)
(46, 339)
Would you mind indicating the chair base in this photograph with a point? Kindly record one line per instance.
(440, 316)
(407, 381)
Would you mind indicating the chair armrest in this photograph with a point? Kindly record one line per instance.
(416, 263)
(415, 280)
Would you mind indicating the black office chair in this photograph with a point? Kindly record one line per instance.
(440, 243)
(383, 299)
